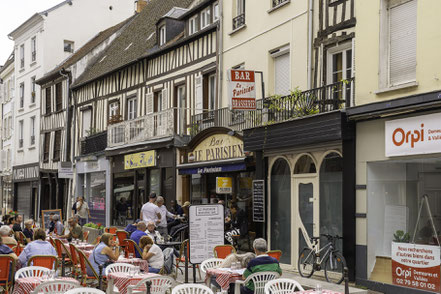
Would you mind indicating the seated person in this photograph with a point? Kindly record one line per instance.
(28, 231)
(152, 253)
(262, 263)
(152, 233)
(75, 230)
(6, 235)
(51, 222)
(5, 250)
(182, 221)
(132, 227)
(244, 259)
(58, 225)
(104, 253)
(16, 227)
(38, 247)
(136, 235)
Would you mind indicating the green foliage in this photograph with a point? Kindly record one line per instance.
(401, 237)
(92, 131)
(94, 226)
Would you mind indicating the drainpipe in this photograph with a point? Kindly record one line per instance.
(220, 53)
(310, 35)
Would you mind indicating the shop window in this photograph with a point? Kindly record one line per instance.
(96, 186)
(155, 181)
(281, 209)
(57, 146)
(305, 165)
(58, 97)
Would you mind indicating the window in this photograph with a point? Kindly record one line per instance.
(48, 100)
(182, 104)
(22, 54)
(58, 96)
(46, 147)
(86, 122)
(57, 146)
(239, 19)
(162, 35)
(192, 25)
(20, 134)
(33, 93)
(340, 68)
(205, 17)
(132, 108)
(216, 12)
(21, 95)
(282, 71)
(158, 102)
(212, 92)
(32, 130)
(68, 46)
(34, 49)
(276, 3)
(113, 109)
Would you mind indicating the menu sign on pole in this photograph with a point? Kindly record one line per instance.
(206, 224)
(416, 266)
(259, 201)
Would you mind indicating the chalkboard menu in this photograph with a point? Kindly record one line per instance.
(259, 201)
(45, 217)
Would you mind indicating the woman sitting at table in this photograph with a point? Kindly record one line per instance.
(38, 247)
(104, 253)
(152, 253)
(27, 231)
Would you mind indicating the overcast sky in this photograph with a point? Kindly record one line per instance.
(12, 14)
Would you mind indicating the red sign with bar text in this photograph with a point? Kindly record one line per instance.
(242, 89)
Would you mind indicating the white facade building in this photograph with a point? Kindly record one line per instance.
(42, 42)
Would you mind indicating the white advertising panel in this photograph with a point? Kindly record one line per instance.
(413, 135)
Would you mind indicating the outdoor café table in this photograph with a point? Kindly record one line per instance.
(143, 264)
(85, 246)
(312, 291)
(27, 285)
(123, 280)
(224, 276)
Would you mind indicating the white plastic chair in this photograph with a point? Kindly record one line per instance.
(119, 268)
(160, 285)
(31, 271)
(55, 287)
(259, 280)
(282, 286)
(191, 289)
(85, 291)
(210, 263)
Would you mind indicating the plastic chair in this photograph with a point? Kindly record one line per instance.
(85, 291)
(210, 263)
(191, 289)
(7, 264)
(222, 251)
(259, 281)
(86, 236)
(132, 247)
(119, 268)
(111, 230)
(160, 285)
(55, 287)
(282, 286)
(31, 271)
(275, 253)
(47, 261)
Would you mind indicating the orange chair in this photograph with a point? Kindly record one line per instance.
(122, 236)
(222, 251)
(47, 261)
(84, 263)
(75, 260)
(275, 253)
(22, 238)
(61, 248)
(86, 236)
(111, 230)
(7, 264)
(51, 240)
(18, 249)
(131, 247)
(10, 245)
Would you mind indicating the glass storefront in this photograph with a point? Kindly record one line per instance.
(123, 187)
(93, 188)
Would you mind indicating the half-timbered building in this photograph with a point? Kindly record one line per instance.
(140, 95)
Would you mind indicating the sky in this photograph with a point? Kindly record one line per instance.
(12, 14)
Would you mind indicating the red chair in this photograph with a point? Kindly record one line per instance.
(7, 264)
(111, 230)
(122, 236)
(61, 248)
(17, 249)
(84, 263)
(275, 253)
(75, 260)
(10, 245)
(51, 240)
(131, 247)
(47, 261)
(222, 251)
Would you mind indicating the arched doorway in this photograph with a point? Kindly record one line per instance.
(280, 222)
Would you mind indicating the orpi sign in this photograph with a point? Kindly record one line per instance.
(242, 89)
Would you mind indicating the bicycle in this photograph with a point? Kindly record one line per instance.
(312, 259)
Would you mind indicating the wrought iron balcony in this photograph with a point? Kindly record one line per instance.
(94, 143)
(238, 21)
(156, 125)
(278, 109)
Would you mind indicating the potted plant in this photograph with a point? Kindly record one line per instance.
(401, 237)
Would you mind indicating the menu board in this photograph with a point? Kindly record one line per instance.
(45, 214)
(259, 201)
(206, 231)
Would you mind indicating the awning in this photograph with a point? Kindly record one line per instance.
(220, 166)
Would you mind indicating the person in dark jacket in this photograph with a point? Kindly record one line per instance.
(238, 219)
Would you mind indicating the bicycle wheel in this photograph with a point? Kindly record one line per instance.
(334, 268)
(305, 263)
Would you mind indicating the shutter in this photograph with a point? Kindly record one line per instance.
(164, 99)
(199, 94)
(87, 120)
(282, 73)
(24, 199)
(402, 46)
(149, 98)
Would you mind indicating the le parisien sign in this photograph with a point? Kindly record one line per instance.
(414, 135)
(242, 89)
(217, 147)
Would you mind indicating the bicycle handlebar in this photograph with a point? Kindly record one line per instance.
(329, 237)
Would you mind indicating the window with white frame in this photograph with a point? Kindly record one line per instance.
(21, 95)
(33, 93)
(192, 25)
(34, 49)
(158, 105)
(282, 71)
(114, 109)
(162, 35)
(32, 130)
(20, 134)
(216, 15)
(239, 19)
(205, 17)
(212, 92)
(68, 46)
(86, 123)
(132, 108)
(22, 56)
(182, 104)
(339, 68)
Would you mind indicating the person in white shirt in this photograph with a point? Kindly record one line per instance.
(152, 253)
(152, 233)
(82, 211)
(150, 211)
(162, 226)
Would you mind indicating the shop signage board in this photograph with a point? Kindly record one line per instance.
(259, 201)
(413, 135)
(242, 89)
(416, 266)
(217, 147)
(141, 159)
(65, 170)
(206, 227)
(213, 169)
(224, 185)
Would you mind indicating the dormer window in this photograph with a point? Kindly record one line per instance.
(162, 35)
(192, 23)
(205, 17)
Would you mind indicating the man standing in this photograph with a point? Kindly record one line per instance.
(138, 234)
(74, 206)
(122, 208)
(82, 211)
(162, 226)
(150, 211)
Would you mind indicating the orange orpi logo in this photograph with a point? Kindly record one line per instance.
(399, 136)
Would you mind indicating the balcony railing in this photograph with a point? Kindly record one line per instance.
(278, 109)
(238, 21)
(94, 143)
(156, 125)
